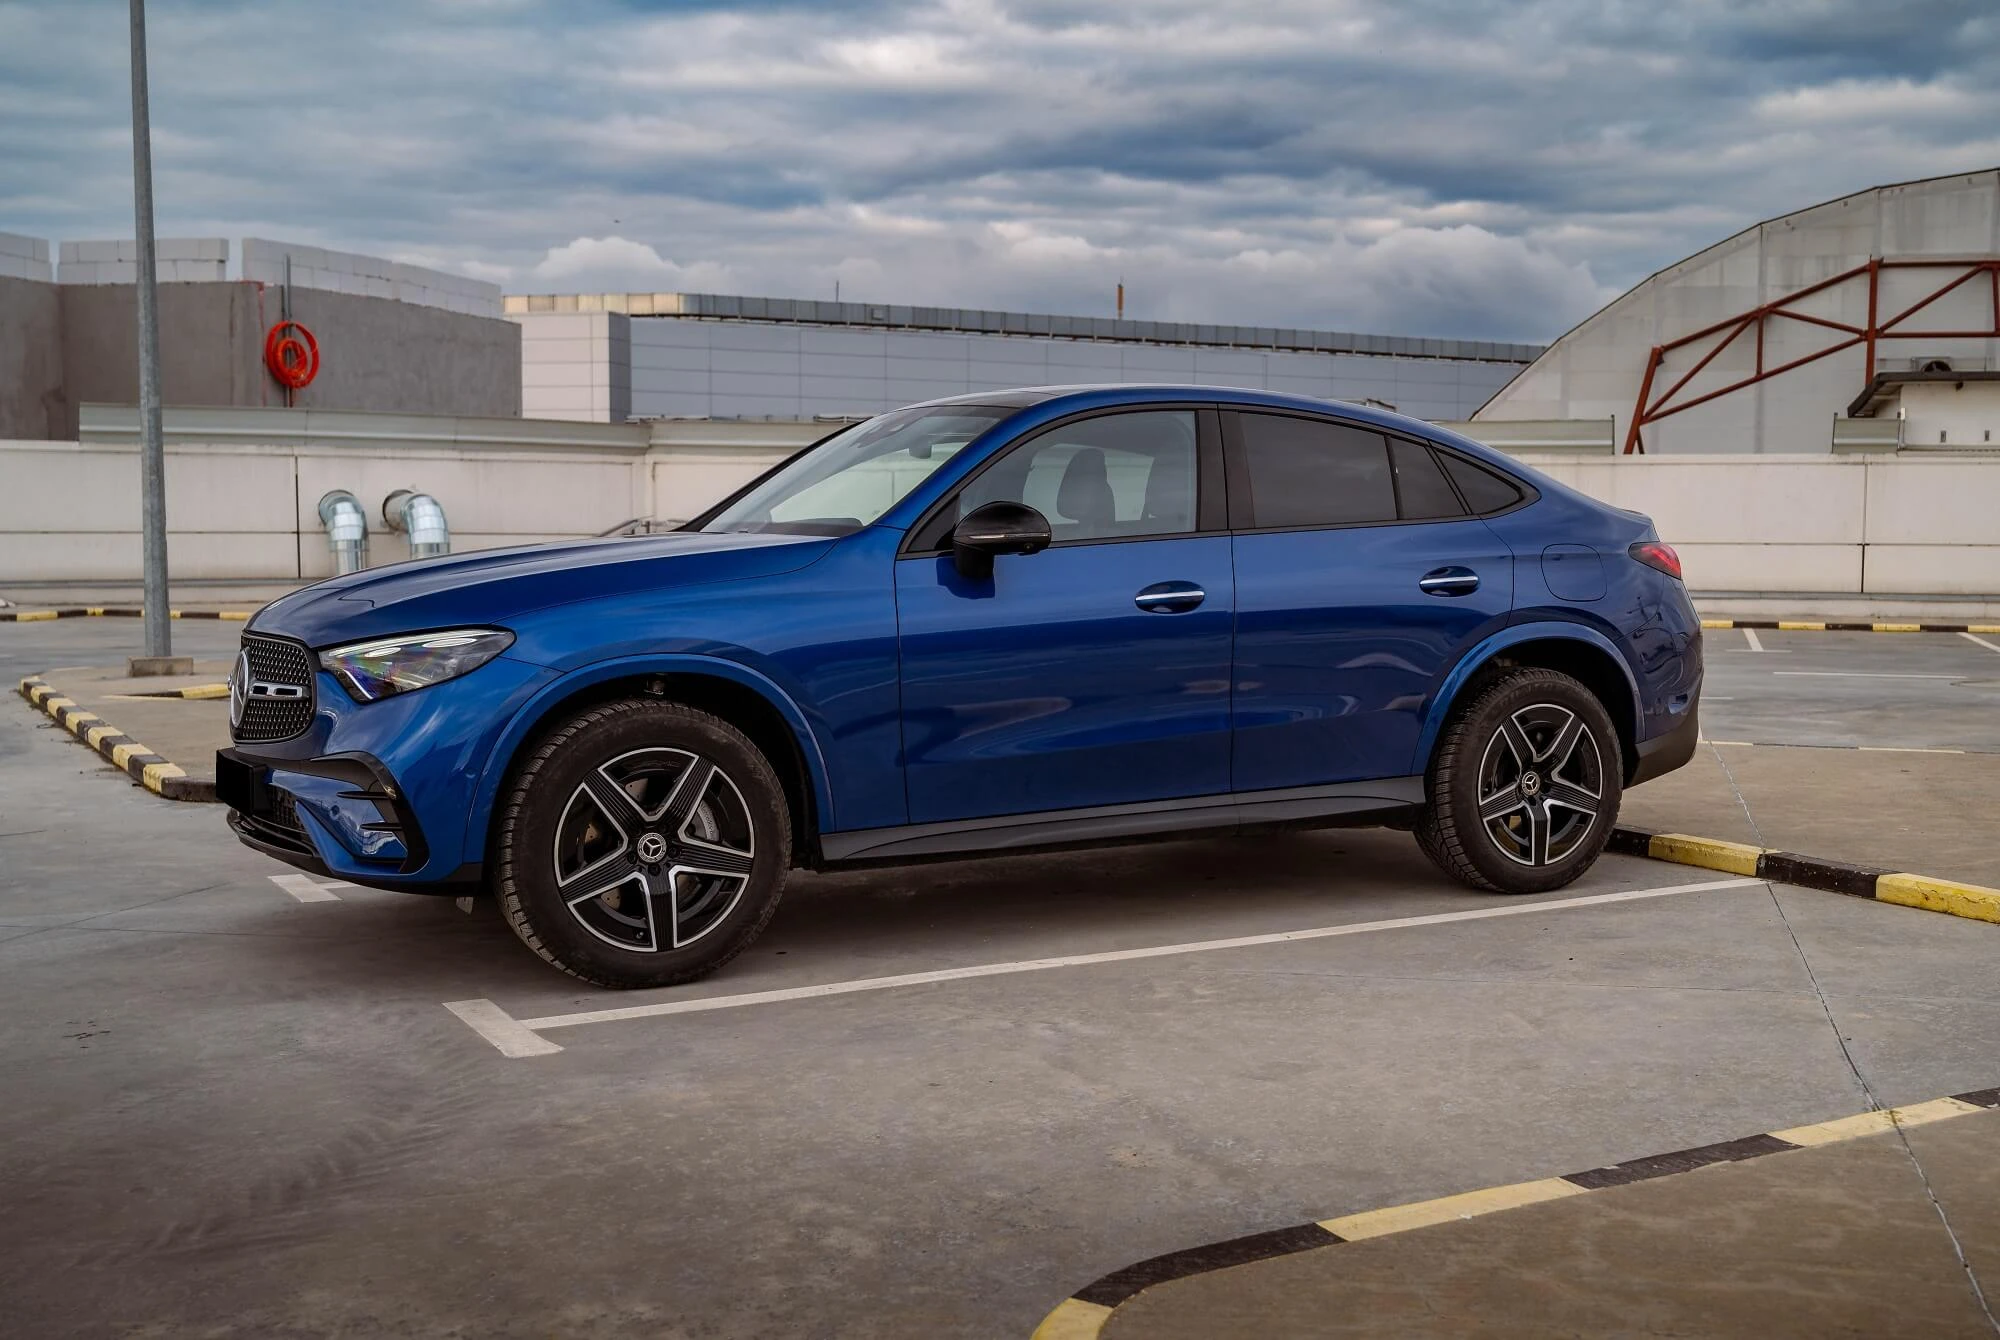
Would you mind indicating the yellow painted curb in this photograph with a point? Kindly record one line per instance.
(1488, 1200)
(1801, 627)
(1874, 1123)
(1736, 858)
(1073, 1319)
(1940, 895)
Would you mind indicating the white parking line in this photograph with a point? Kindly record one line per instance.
(1757, 644)
(1862, 674)
(308, 890)
(512, 1036)
(1901, 749)
(1990, 646)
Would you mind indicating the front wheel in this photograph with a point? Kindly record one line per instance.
(642, 844)
(1525, 785)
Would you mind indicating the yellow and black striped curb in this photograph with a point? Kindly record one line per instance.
(123, 752)
(1082, 1315)
(1784, 867)
(110, 612)
(1838, 626)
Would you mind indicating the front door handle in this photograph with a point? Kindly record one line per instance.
(1170, 598)
(1449, 582)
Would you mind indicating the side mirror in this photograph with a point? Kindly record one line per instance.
(996, 528)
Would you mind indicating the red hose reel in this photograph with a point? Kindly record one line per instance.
(292, 354)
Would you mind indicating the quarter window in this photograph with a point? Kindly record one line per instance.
(1306, 472)
(1484, 490)
(1110, 477)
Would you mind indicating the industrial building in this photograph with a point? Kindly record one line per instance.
(358, 332)
(610, 357)
(1867, 322)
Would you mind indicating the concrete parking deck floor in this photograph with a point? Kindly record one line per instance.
(234, 1112)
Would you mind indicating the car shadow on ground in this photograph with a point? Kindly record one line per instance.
(894, 919)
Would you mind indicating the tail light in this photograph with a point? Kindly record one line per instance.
(1659, 557)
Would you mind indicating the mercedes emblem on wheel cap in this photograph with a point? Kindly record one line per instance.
(1531, 784)
(652, 848)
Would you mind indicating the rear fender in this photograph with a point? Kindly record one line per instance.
(1482, 653)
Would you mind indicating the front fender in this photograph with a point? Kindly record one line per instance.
(1540, 630)
(627, 667)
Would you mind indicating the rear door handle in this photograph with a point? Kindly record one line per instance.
(1449, 582)
(1170, 598)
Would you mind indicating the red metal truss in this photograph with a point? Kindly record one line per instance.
(1652, 410)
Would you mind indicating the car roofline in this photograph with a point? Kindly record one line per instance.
(1094, 395)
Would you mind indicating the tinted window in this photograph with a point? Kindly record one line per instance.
(1306, 473)
(1484, 490)
(1421, 490)
(1110, 477)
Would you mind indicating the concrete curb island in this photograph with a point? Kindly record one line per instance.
(1083, 1315)
(150, 770)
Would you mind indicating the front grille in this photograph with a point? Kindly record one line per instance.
(275, 661)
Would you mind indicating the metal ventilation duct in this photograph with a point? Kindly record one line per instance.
(346, 530)
(421, 517)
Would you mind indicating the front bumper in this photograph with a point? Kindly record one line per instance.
(379, 793)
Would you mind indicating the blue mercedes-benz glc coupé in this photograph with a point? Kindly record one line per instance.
(1004, 621)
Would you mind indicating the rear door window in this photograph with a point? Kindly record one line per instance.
(1300, 473)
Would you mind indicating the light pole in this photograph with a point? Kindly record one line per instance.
(152, 454)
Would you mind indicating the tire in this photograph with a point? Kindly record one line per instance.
(675, 884)
(1564, 794)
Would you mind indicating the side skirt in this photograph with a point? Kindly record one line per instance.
(1300, 806)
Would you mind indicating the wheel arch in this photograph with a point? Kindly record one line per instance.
(736, 693)
(1574, 649)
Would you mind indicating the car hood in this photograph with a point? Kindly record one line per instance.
(492, 586)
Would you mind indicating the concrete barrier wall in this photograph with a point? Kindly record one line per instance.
(244, 486)
(1901, 524)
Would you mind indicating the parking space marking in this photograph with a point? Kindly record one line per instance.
(510, 1035)
(491, 1013)
(308, 890)
(1901, 749)
(1757, 644)
(1990, 646)
(1862, 674)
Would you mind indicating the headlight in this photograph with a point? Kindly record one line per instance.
(372, 670)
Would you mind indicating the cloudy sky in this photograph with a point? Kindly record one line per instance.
(1427, 167)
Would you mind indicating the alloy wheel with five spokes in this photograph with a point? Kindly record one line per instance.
(1541, 784)
(1524, 784)
(653, 849)
(643, 843)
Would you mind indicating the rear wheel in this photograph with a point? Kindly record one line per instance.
(642, 844)
(1525, 785)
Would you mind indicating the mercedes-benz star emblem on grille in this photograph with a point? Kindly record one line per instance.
(239, 689)
(242, 689)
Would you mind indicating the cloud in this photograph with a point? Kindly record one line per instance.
(1423, 167)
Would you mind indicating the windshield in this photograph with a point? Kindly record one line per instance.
(852, 478)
